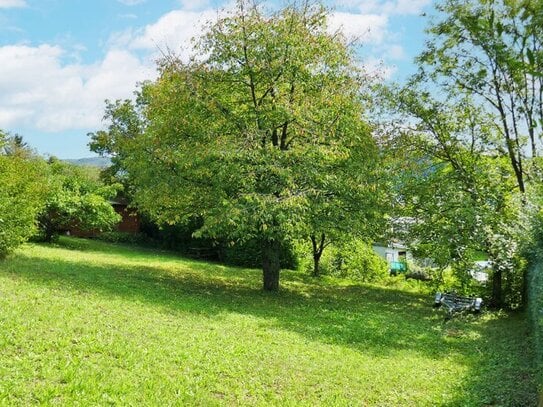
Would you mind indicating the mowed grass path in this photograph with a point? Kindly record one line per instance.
(88, 323)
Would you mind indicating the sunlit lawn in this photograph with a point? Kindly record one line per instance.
(89, 323)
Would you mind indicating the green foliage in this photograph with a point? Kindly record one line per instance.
(534, 252)
(535, 313)
(249, 254)
(357, 260)
(417, 272)
(125, 124)
(180, 239)
(475, 145)
(75, 200)
(353, 259)
(260, 135)
(458, 189)
(22, 192)
(108, 324)
(14, 145)
(491, 51)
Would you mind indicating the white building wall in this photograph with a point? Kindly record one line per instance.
(389, 253)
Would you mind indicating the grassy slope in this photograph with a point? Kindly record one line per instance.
(89, 323)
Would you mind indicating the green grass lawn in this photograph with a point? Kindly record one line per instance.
(88, 323)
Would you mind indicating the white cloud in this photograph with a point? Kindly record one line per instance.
(377, 68)
(366, 28)
(38, 90)
(12, 3)
(173, 31)
(406, 6)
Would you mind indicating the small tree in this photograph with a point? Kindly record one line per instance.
(75, 199)
(354, 211)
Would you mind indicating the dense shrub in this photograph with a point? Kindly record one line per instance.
(75, 199)
(180, 238)
(357, 260)
(22, 192)
(534, 291)
(535, 310)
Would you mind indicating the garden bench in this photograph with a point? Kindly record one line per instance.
(455, 303)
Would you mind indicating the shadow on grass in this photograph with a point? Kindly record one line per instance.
(506, 373)
(366, 319)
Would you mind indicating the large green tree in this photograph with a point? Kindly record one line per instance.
(492, 51)
(458, 189)
(125, 122)
(259, 129)
(482, 66)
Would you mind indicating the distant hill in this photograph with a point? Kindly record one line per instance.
(100, 162)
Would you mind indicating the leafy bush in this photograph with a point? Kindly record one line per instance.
(180, 238)
(357, 260)
(418, 273)
(535, 310)
(22, 192)
(534, 284)
(75, 199)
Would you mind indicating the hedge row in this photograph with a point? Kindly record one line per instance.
(535, 310)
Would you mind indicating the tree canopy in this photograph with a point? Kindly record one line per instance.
(258, 133)
(469, 132)
(493, 52)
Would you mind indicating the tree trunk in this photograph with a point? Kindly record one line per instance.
(497, 292)
(318, 248)
(316, 264)
(271, 264)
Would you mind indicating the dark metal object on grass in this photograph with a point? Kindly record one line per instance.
(455, 303)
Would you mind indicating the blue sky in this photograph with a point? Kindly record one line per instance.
(60, 59)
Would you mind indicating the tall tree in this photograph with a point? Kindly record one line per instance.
(14, 145)
(482, 64)
(457, 187)
(261, 126)
(493, 52)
